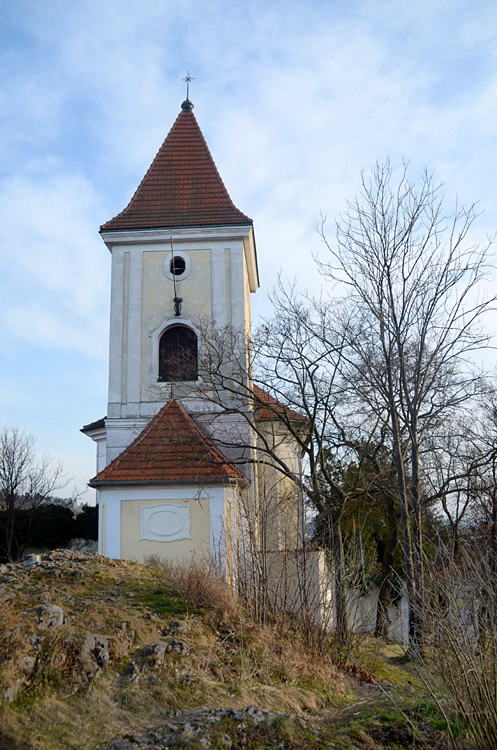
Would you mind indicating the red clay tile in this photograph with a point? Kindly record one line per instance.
(170, 448)
(267, 407)
(182, 186)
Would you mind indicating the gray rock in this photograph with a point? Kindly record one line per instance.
(50, 616)
(257, 715)
(31, 560)
(27, 664)
(83, 545)
(10, 692)
(94, 654)
(193, 729)
(132, 673)
(36, 642)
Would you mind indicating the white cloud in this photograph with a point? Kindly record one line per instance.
(55, 269)
(293, 100)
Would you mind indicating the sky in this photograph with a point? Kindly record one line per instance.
(293, 100)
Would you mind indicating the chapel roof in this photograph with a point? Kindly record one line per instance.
(268, 408)
(170, 448)
(182, 186)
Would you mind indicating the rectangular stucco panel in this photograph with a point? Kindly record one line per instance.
(158, 294)
(124, 352)
(197, 547)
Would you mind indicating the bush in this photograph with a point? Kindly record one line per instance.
(198, 585)
(460, 664)
(86, 523)
(50, 525)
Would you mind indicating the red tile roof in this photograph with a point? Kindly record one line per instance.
(170, 448)
(268, 407)
(182, 186)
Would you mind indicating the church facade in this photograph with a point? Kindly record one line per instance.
(177, 473)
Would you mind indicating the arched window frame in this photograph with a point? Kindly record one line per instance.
(155, 336)
(180, 345)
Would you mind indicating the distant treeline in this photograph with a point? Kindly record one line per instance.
(50, 525)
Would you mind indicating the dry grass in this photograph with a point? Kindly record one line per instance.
(219, 657)
(256, 663)
(197, 584)
(225, 658)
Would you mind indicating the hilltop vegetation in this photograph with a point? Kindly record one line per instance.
(95, 652)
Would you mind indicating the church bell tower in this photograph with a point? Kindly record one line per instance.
(181, 253)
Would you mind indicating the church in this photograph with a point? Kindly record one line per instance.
(178, 475)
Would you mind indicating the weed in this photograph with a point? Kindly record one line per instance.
(160, 601)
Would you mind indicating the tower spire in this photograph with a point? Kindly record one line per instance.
(182, 187)
(187, 105)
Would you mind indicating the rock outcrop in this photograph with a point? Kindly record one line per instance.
(205, 728)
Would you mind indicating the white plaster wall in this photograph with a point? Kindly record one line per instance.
(140, 300)
(218, 528)
(280, 499)
(237, 293)
(133, 364)
(120, 433)
(116, 334)
(101, 523)
(210, 528)
(101, 453)
(301, 578)
(232, 435)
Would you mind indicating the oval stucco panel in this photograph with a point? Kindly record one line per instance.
(165, 523)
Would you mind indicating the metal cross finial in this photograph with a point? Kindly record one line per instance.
(188, 78)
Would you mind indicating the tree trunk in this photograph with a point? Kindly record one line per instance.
(385, 595)
(417, 614)
(405, 519)
(339, 578)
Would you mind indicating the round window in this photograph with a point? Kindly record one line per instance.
(176, 265)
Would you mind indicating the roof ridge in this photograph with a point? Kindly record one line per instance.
(205, 440)
(208, 454)
(271, 408)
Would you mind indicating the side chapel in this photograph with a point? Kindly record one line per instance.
(182, 253)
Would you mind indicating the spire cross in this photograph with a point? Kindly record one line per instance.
(188, 78)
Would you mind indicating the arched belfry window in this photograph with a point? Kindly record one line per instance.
(178, 354)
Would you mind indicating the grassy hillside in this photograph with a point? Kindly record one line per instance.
(97, 654)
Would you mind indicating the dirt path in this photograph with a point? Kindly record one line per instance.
(384, 717)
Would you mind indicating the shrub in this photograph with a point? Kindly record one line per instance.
(86, 523)
(198, 584)
(460, 663)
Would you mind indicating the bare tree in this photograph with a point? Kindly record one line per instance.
(384, 360)
(458, 466)
(303, 404)
(25, 483)
(412, 316)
